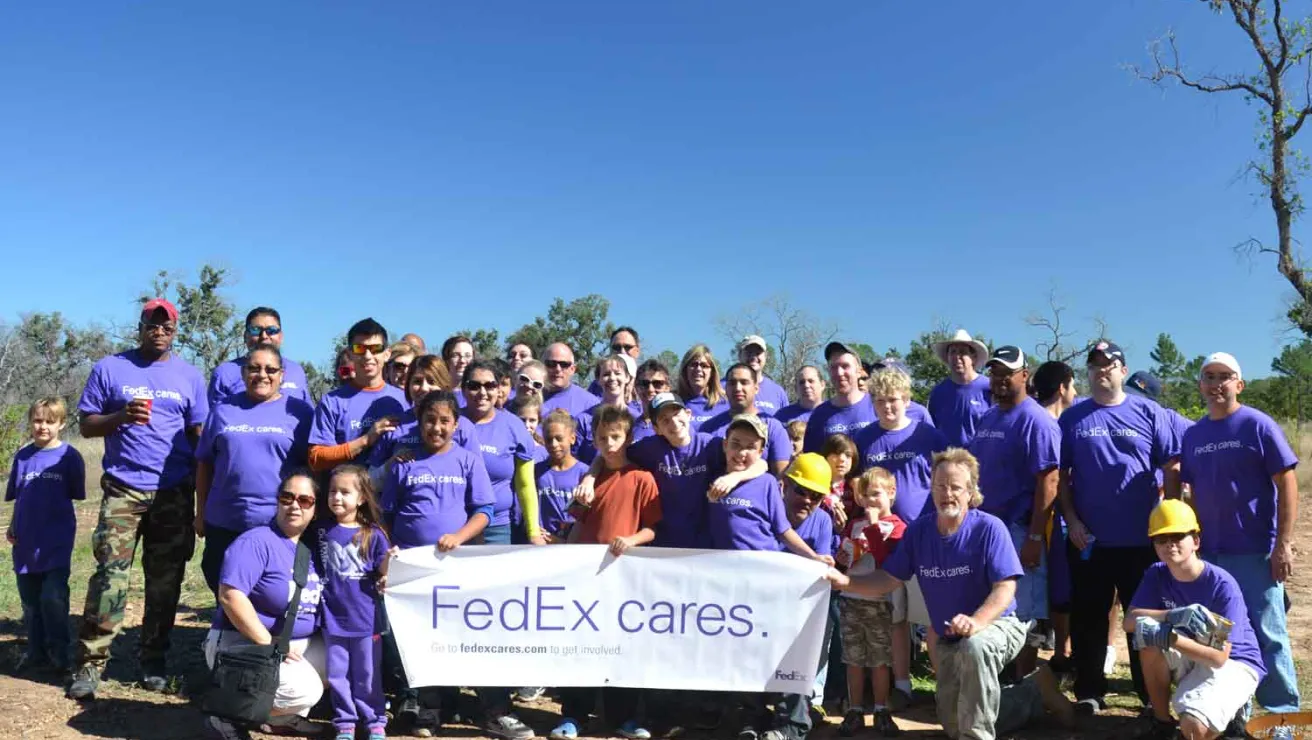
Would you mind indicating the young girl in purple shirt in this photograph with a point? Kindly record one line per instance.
(352, 552)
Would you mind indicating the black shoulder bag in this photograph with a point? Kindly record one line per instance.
(245, 677)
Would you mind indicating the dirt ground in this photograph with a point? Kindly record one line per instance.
(35, 707)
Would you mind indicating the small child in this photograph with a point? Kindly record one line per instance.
(528, 408)
(353, 555)
(753, 516)
(623, 514)
(557, 476)
(46, 477)
(441, 497)
(796, 434)
(1174, 619)
(840, 452)
(867, 623)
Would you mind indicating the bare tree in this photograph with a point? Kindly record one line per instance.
(794, 334)
(1056, 344)
(1281, 90)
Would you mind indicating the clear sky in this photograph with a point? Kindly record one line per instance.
(442, 165)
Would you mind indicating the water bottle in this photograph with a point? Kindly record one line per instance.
(1087, 552)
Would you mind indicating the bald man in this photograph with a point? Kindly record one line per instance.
(560, 391)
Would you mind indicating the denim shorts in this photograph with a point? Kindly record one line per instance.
(1032, 587)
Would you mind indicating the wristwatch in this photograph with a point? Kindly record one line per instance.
(1036, 538)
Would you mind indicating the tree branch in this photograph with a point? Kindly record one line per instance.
(1174, 71)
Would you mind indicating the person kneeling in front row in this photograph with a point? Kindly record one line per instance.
(1174, 619)
(967, 568)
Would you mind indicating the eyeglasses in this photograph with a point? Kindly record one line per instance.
(812, 496)
(375, 349)
(659, 385)
(268, 369)
(536, 385)
(1169, 539)
(255, 331)
(1218, 378)
(167, 330)
(474, 385)
(702, 365)
(558, 364)
(305, 502)
(622, 349)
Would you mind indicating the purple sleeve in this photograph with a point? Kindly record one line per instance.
(212, 390)
(1067, 454)
(304, 415)
(1275, 448)
(199, 407)
(524, 444)
(77, 474)
(1044, 445)
(94, 395)
(378, 547)
(324, 429)
(244, 563)
(1230, 601)
(480, 485)
(392, 488)
(899, 563)
(778, 515)
(825, 541)
(780, 447)
(205, 448)
(1000, 553)
(1186, 475)
(1149, 593)
(466, 435)
(641, 453)
(1166, 441)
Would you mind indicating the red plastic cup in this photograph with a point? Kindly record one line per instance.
(150, 402)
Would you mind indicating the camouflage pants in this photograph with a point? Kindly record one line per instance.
(163, 520)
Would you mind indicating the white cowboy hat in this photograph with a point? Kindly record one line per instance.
(981, 354)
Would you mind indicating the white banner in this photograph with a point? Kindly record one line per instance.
(574, 615)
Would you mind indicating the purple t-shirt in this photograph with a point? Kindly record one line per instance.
(771, 397)
(435, 495)
(1112, 453)
(642, 429)
(349, 412)
(1230, 464)
(915, 411)
(957, 572)
(817, 530)
(1013, 446)
(1215, 589)
(259, 563)
(793, 412)
(828, 419)
(702, 411)
(44, 484)
(251, 445)
(584, 449)
(406, 436)
(503, 440)
(956, 408)
(908, 454)
(683, 476)
(157, 455)
(751, 517)
(778, 445)
(350, 596)
(573, 399)
(555, 492)
(226, 381)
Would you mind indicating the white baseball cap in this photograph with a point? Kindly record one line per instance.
(1225, 359)
(752, 340)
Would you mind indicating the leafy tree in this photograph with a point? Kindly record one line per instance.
(209, 329)
(1287, 395)
(1277, 87)
(582, 324)
(485, 342)
(926, 369)
(670, 360)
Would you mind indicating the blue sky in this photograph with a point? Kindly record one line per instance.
(442, 165)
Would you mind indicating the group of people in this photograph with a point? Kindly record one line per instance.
(1021, 512)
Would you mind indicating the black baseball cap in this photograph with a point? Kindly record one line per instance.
(837, 348)
(1107, 349)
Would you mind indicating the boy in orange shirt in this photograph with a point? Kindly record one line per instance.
(623, 514)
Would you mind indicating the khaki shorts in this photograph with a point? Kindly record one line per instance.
(867, 630)
(1211, 695)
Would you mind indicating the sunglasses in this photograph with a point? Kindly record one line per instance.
(536, 385)
(401, 365)
(702, 365)
(811, 496)
(268, 369)
(622, 348)
(255, 331)
(305, 502)
(167, 330)
(557, 364)
(657, 384)
(474, 385)
(376, 348)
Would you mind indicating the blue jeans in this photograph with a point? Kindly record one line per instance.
(1265, 600)
(497, 535)
(45, 611)
(1032, 587)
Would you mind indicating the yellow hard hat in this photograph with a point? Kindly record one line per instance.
(1172, 517)
(810, 471)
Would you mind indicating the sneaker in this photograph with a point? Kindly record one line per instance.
(407, 715)
(633, 731)
(776, 735)
(154, 677)
(221, 729)
(1158, 730)
(1061, 708)
(1087, 707)
(530, 693)
(899, 699)
(291, 724)
(377, 733)
(508, 726)
(747, 733)
(85, 683)
(884, 724)
(568, 729)
(853, 721)
(1283, 732)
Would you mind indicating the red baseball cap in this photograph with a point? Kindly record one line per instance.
(156, 304)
